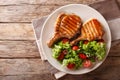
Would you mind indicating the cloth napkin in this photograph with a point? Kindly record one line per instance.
(108, 8)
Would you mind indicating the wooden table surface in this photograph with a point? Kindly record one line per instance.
(19, 56)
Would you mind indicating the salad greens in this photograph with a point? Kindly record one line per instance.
(92, 50)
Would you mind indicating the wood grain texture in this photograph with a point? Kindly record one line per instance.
(16, 31)
(35, 69)
(45, 76)
(45, 2)
(18, 49)
(22, 66)
(115, 48)
(24, 13)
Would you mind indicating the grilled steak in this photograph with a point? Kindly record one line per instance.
(66, 26)
(91, 30)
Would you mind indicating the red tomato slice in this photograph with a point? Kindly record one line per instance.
(75, 48)
(61, 56)
(87, 63)
(82, 56)
(64, 40)
(85, 41)
(70, 65)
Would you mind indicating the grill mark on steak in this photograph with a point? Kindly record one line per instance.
(70, 26)
(66, 30)
(95, 30)
(75, 17)
(92, 30)
(88, 30)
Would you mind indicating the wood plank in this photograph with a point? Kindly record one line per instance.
(22, 66)
(16, 31)
(18, 49)
(24, 13)
(115, 48)
(46, 76)
(45, 2)
(35, 69)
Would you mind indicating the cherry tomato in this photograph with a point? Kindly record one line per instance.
(100, 40)
(71, 66)
(87, 63)
(85, 41)
(64, 40)
(82, 56)
(75, 48)
(61, 56)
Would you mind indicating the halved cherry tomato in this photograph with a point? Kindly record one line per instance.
(85, 41)
(62, 55)
(87, 63)
(71, 66)
(82, 56)
(100, 40)
(64, 40)
(75, 48)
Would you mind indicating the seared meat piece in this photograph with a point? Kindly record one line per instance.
(67, 26)
(91, 30)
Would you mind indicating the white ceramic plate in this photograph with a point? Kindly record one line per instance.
(85, 12)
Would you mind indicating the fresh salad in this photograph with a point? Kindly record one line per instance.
(84, 54)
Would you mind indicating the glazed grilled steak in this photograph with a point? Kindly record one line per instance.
(66, 26)
(91, 30)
